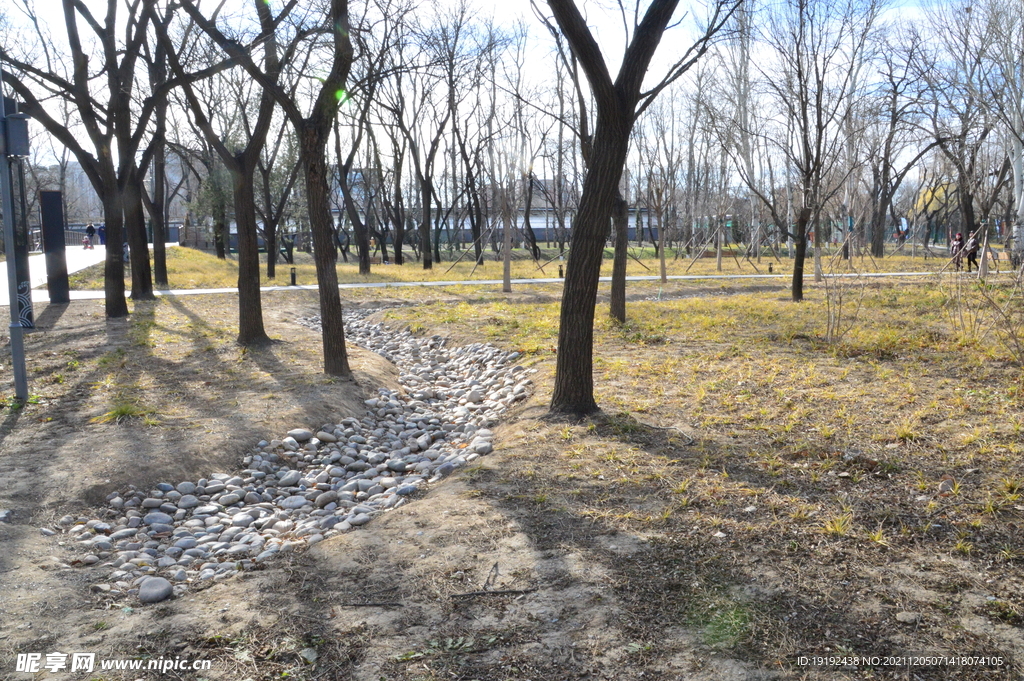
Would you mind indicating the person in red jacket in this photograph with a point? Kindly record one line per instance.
(956, 251)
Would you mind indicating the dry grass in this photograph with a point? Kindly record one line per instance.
(188, 268)
(814, 470)
(751, 493)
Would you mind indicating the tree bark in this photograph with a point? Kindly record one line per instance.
(574, 384)
(250, 306)
(113, 269)
(135, 229)
(620, 220)
(313, 143)
(426, 192)
(616, 109)
(800, 242)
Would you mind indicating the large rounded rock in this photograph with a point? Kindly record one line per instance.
(157, 517)
(300, 434)
(326, 498)
(154, 590)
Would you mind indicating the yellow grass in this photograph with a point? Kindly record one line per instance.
(189, 268)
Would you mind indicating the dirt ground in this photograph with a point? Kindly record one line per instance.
(611, 549)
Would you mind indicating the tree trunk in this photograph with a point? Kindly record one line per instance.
(362, 238)
(574, 385)
(135, 228)
(113, 268)
(663, 269)
(531, 237)
(250, 307)
(425, 197)
(270, 241)
(318, 202)
(620, 220)
(220, 230)
(803, 217)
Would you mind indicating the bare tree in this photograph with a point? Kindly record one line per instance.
(812, 76)
(892, 132)
(100, 86)
(313, 128)
(618, 104)
(241, 158)
(952, 77)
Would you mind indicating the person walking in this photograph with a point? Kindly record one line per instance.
(956, 251)
(102, 234)
(90, 233)
(971, 249)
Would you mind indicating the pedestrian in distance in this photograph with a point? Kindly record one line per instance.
(126, 252)
(971, 249)
(90, 232)
(956, 251)
(101, 232)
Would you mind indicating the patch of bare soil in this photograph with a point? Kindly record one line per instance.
(671, 547)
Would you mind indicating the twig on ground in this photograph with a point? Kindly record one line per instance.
(500, 592)
(675, 428)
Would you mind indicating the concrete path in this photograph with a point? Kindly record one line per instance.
(40, 296)
(78, 259)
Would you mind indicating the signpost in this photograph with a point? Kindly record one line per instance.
(14, 143)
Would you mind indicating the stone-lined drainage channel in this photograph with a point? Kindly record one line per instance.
(308, 485)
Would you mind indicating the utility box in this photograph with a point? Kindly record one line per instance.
(16, 135)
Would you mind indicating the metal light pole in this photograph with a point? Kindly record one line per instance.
(17, 331)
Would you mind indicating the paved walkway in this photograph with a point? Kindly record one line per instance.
(79, 258)
(40, 296)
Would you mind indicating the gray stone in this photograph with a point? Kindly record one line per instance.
(325, 499)
(360, 519)
(404, 490)
(241, 520)
(300, 434)
(293, 502)
(155, 589)
(289, 479)
(229, 499)
(157, 517)
(186, 487)
(6, 515)
(123, 534)
(188, 501)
